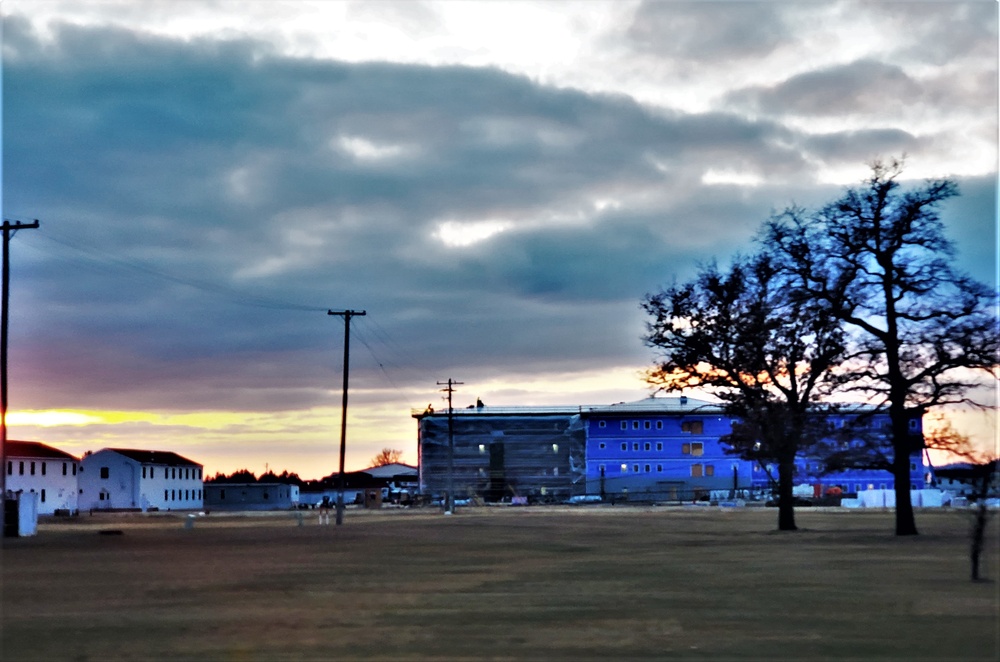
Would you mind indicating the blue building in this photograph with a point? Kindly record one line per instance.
(654, 449)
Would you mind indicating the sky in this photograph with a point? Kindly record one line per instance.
(496, 184)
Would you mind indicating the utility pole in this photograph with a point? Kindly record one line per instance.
(347, 315)
(8, 231)
(449, 504)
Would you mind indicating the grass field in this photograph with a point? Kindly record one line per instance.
(533, 584)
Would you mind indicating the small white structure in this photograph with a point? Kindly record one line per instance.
(123, 478)
(33, 467)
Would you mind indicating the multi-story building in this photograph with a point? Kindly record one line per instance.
(122, 478)
(658, 448)
(46, 471)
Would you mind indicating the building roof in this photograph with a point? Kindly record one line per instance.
(35, 449)
(659, 405)
(647, 406)
(155, 457)
(391, 470)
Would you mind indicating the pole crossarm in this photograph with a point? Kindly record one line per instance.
(347, 315)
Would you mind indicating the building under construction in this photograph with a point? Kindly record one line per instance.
(497, 453)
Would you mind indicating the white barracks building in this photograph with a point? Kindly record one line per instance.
(148, 480)
(48, 472)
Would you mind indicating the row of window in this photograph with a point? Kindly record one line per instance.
(184, 473)
(690, 427)
(175, 495)
(31, 468)
(693, 448)
(697, 470)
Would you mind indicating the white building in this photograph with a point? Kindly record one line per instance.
(44, 470)
(147, 480)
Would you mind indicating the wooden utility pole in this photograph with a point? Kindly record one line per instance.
(8, 231)
(449, 504)
(347, 315)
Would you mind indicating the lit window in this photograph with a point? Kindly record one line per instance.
(696, 470)
(624, 468)
(709, 469)
(685, 449)
(697, 448)
(555, 448)
(482, 448)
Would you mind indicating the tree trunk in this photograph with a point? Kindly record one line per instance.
(906, 523)
(786, 500)
(979, 527)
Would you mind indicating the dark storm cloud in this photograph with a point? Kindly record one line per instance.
(203, 202)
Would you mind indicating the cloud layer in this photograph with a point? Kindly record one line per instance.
(204, 200)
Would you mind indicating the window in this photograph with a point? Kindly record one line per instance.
(222, 495)
(624, 468)
(646, 446)
(646, 425)
(624, 446)
(647, 468)
(32, 468)
(166, 495)
(144, 472)
(103, 495)
(624, 425)
(74, 468)
(152, 472)
(10, 468)
(173, 495)
(913, 423)
(659, 445)
(696, 470)
(913, 466)
(555, 448)
(199, 494)
(602, 469)
(659, 425)
(635, 425)
(635, 445)
(64, 468)
(709, 469)
(173, 473)
(685, 449)
(602, 445)
(105, 473)
(697, 448)
(659, 468)
(635, 468)
(43, 468)
(43, 495)
(482, 449)
(693, 427)
(601, 424)
(20, 468)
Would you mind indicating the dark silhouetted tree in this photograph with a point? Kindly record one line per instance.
(765, 351)
(879, 259)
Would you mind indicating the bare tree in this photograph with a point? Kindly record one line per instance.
(767, 352)
(386, 456)
(879, 258)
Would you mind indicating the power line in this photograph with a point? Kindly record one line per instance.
(103, 258)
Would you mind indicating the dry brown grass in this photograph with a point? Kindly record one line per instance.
(534, 583)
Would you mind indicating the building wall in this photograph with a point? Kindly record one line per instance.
(669, 456)
(502, 455)
(251, 496)
(111, 480)
(54, 480)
